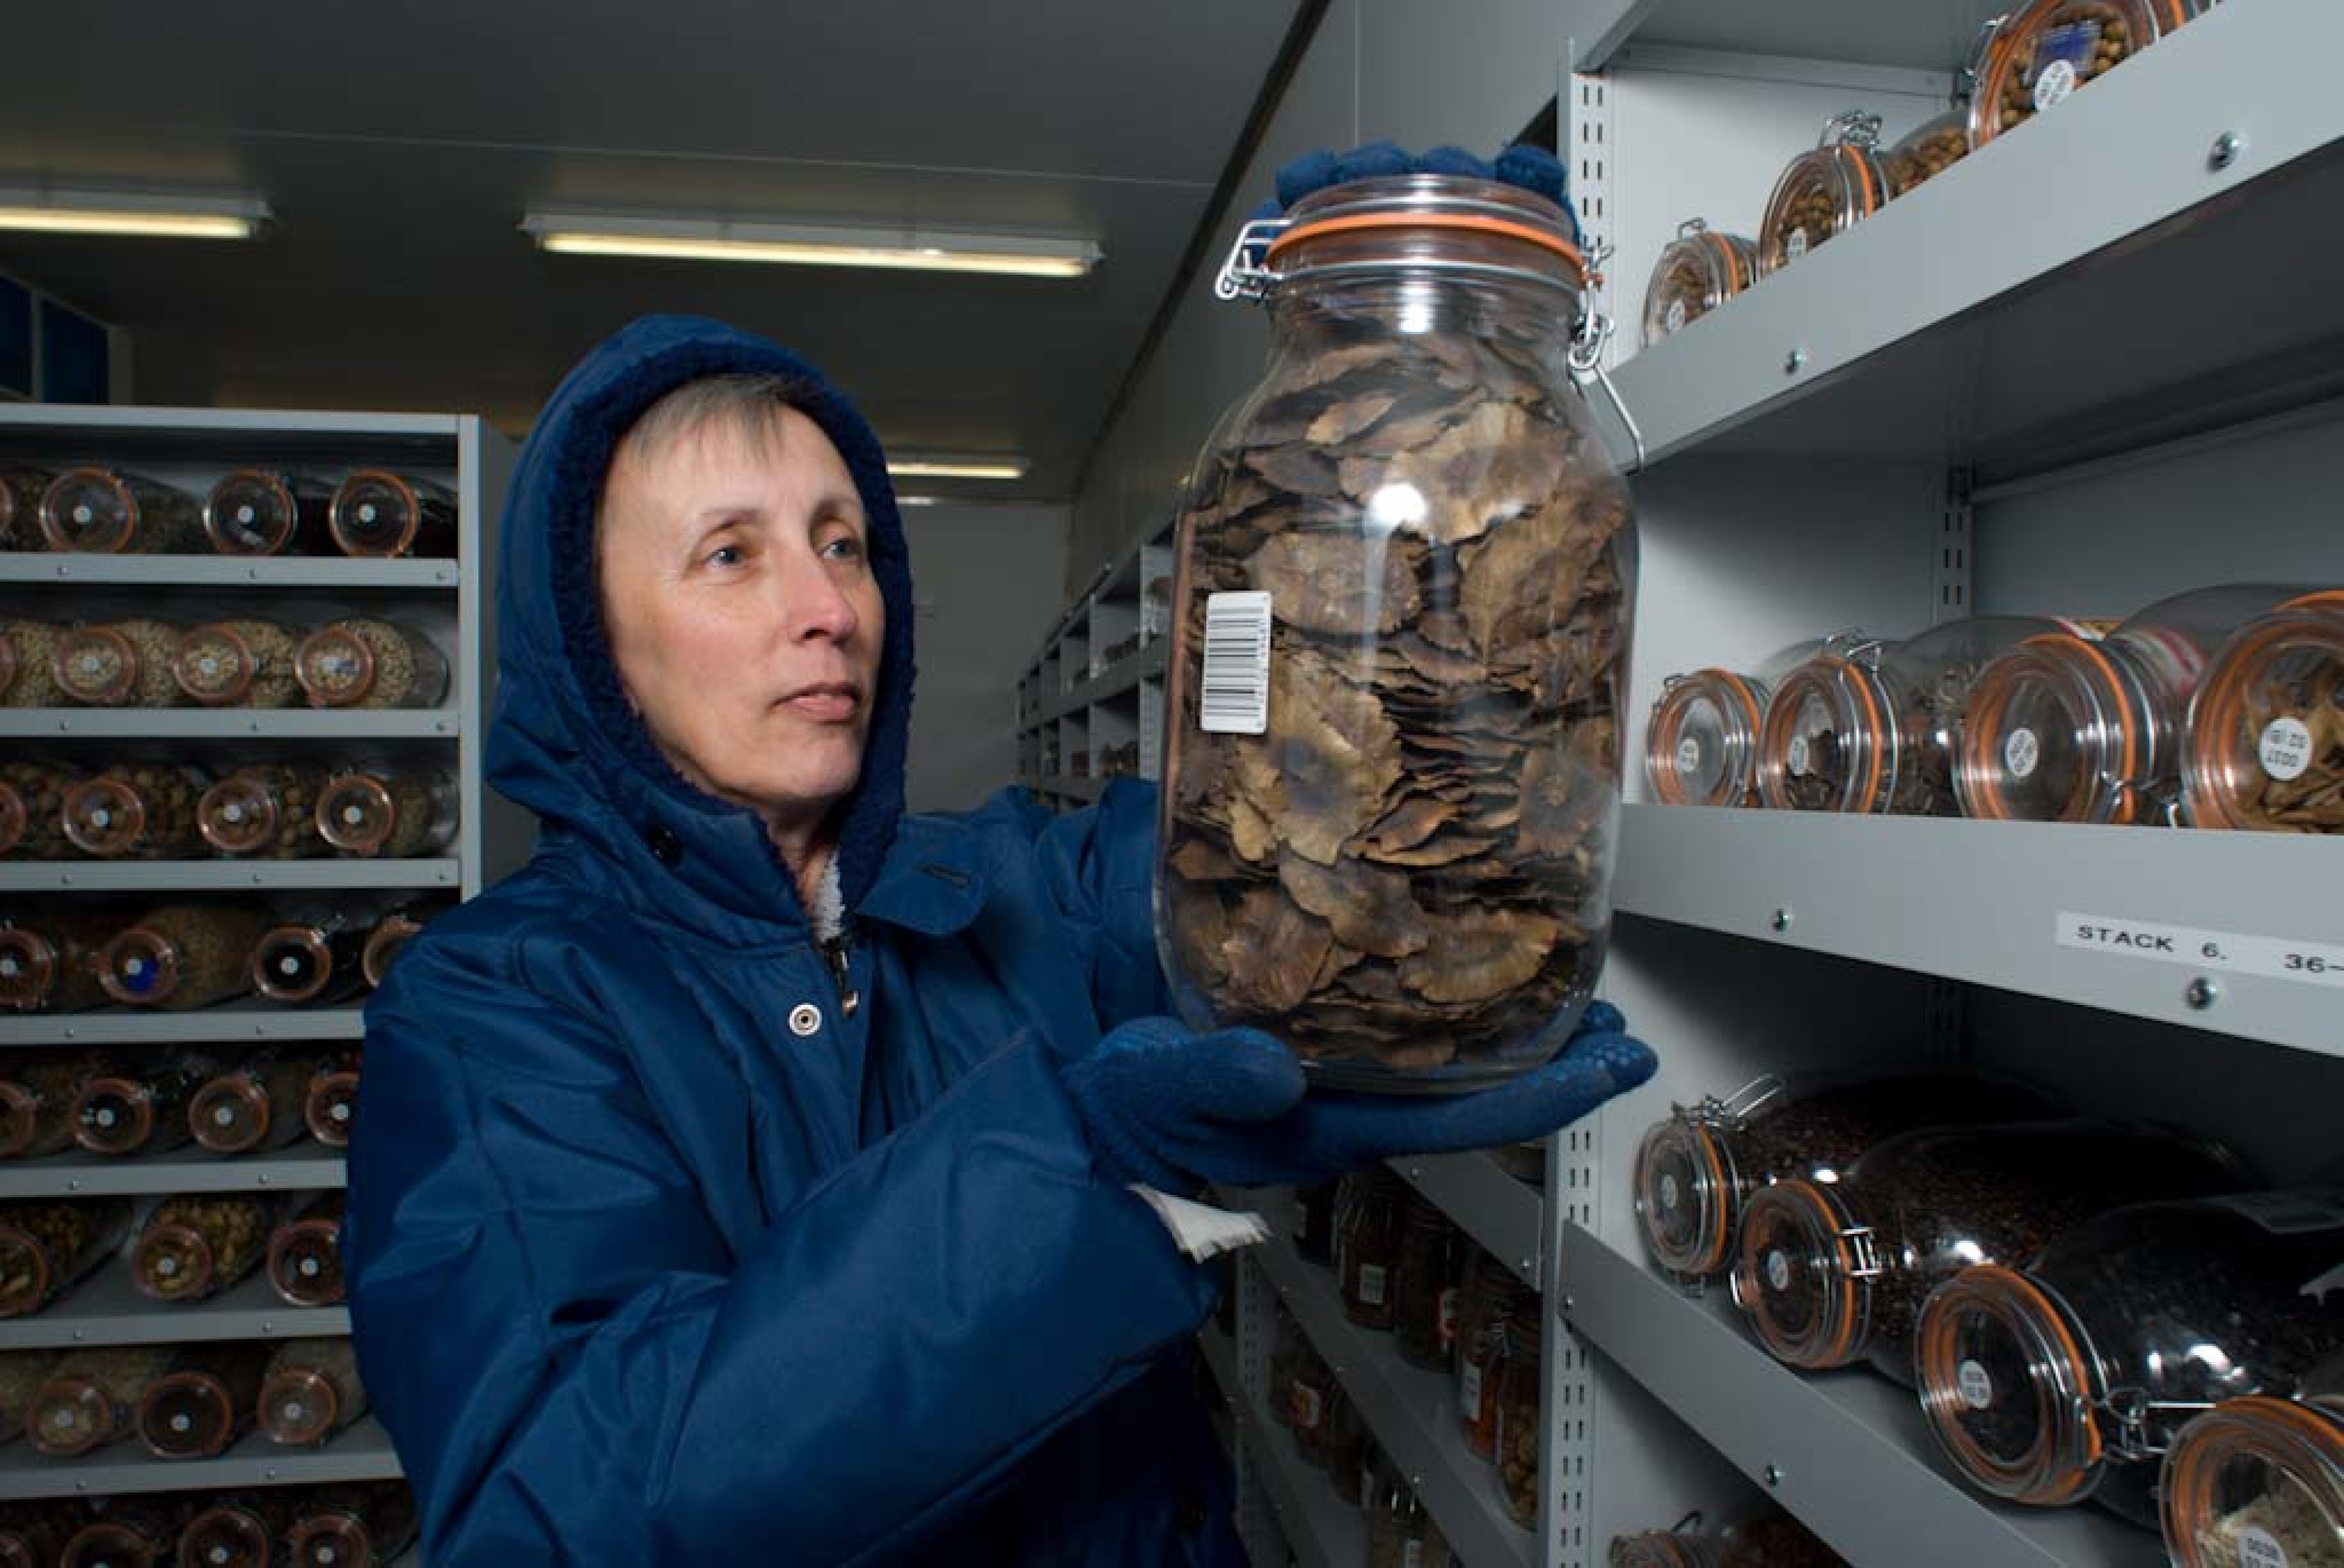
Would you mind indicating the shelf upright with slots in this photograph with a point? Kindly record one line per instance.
(449, 600)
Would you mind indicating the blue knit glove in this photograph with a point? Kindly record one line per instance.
(1173, 1108)
(1531, 169)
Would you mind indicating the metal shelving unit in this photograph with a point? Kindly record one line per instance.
(1097, 683)
(1318, 1527)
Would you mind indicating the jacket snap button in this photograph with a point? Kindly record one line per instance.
(805, 1019)
(666, 848)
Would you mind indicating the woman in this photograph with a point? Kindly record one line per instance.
(754, 1174)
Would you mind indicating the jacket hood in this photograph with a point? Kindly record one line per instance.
(566, 743)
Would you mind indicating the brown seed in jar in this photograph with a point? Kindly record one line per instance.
(144, 810)
(361, 663)
(268, 811)
(120, 664)
(31, 810)
(28, 675)
(241, 663)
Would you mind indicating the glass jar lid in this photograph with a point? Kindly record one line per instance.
(96, 664)
(139, 967)
(226, 1535)
(1927, 151)
(1827, 743)
(107, 1545)
(28, 968)
(251, 513)
(304, 1262)
(105, 817)
(299, 1406)
(1684, 1189)
(1701, 747)
(375, 512)
(186, 1415)
(24, 1272)
(214, 664)
(238, 814)
(2059, 730)
(334, 666)
(334, 1540)
(1798, 1275)
(20, 1114)
(1440, 224)
(1835, 186)
(230, 1115)
(2265, 734)
(1697, 272)
(71, 1416)
(88, 510)
(115, 1115)
(2005, 1378)
(171, 1261)
(356, 814)
(291, 963)
(2256, 1480)
(385, 943)
(332, 1105)
(2047, 49)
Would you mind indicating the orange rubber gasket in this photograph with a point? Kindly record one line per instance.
(1733, 258)
(2224, 694)
(2132, 724)
(1320, 227)
(2187, 1492)
(1841, 1347)
(1934, 1352)
(2326, 599)
(1870, 791)
(1662, 768)
(1719, 1241)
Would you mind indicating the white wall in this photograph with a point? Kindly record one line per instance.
(986, 584)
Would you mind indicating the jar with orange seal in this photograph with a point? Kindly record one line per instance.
(397, 927)
(91, 1397)
(312, 960)
(1371, 1250)
(137, 1532)
(2070, 1378)
(1515, 1432)
(1826, 192)
(239, 1529)
(330, 1109)
(1697, 271)
(2047, 49)
(2067, 727)
(2260, 1480)
(22, 1373)
(49, 959)
(32, 809)
(268, 811)
(1696, 1170)
(111, 513)
(40, 1100)
(1480, 1361)
(1927, 151)
(1874, 727)
(191, 1248)
(1701, 745)
(304, 1260)
(311, 1393)
(1309, 1394)
(362, 662)
(33, 1534)
(205, 1401)
(123, 663)
(1834, 1273)
(137, 1105)
(2265, 738)
(1426, 1285)
(389, 815)
(137, 811)
(239, 663)
(377, 512)
(182, 956)
(21, 488)
(47, 1245)
(365, 1525)
(28, 663)
(1766, 1541)
(252, 1105)
(266, 512)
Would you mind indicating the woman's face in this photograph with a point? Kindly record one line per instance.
(741, 607)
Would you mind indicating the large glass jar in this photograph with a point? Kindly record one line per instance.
(253, 1105)
(1405, 578)
(182, 956)
(2070, 1378)
(240, 663)
(1515, 1429)
(194, 1247)
(1481, 1299)
(331, 1108)
(135, 1531)
(2258, 1481)
(1695, 1170)
(90, 509)
(21, 488)
(261, 512)
(49, 960)
(311, 1393)
(123, 663)
(48, 1244)
(144, 810)
(1697, 271)
(1834, 1273)
(364, 663)
(1876, 727)
(1825, 192)
(1371, 1250)
(304, 1259)
(1309, 1397)
(1927, 151)
(364, 1526)
(137, 1105)
(28, 664)
(22, 1373)
(205, 1401)
(380, 513)
(1769, 1541)
(312, 960)
(1701, 745)
(391, 815)
(1426, 1285)
(1400, 1529)
(268, 810)
(40, 1100)
(2265, 733)
(91, 1397)
(2045, 49)
(237, 1530)
(1483, 1358)
(32, 809)
(2069, 728)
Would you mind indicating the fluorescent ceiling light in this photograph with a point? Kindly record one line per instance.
(918, 250)
(939, 467)
(144, 217)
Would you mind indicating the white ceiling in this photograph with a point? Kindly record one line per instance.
(399, 144)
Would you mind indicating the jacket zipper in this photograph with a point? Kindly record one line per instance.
(835, 953)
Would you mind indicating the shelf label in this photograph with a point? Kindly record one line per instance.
(2286, 749)
(2213, 952)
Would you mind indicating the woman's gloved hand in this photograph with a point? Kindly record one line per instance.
(1171, 1109)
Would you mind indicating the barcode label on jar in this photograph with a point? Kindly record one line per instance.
(2286, 1213)
(2211, 951)
(1234, 696)
(1372, 1285)
(1448, 1317)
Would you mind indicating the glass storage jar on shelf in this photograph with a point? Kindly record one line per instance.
(266, 512)
(138, 1104)
(1514, 1431)
(111, 513)
(2266, 732)
(47, 1245)
(33, 1534)
(205, 1401)
(1314, 1222)
(182, 956)
(1927, 151)
(1425, 1284)
(1697, 271)
(239, 663)
(365, 662)
(1480, 1296)
(311, 1393)
(268, 811)
(391, 815)
(1695, 1170)
(135, 1531)
(21, 1373)
(49, 956)
(1481, 1358)
(1768, 1541)
(1701, 745)
(123, 663)
(1830, 1274)
(311, 960)
(253, 1104)
(365, 1525)
(1285, 1352)
(2071, 728)
(21, 488)
(1401, 1533)
(2044, 50)
(28, 664)
(304, 1259)
(1871, 727)
(40, 1100)
(2070, 1378)
(380, 513)
(32, 809)
(137, 811)
(1401, 614)
(393, 932)
(1346, 1447)
(194, 1247)
(330, 1106)
(1371, 1248)
(2258, 1481)
(239, 1529)
(1826, 192)
(1307, 1397)
(91, 1397)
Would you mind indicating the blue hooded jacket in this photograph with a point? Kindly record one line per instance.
(658, 1253)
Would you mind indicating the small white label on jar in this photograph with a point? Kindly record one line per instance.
(308, 1268)
(1977, 1387)
(366, 512)
(2021, 752)
(1234, 693)
(1688, 754)
(292, 1412)
(341, 1111)
(101, 817)
(2258, 1549)
(1795, 244)
(83, 515)
(327, 1555)
(10, 968)
(104, 1116)
(353, 814)
(1411, 1554)
(1672, 1194)
(1796, 755)
(220, 1554)
(182, 1422)
(1468, 1390)
(2286, 749)
(223, 1116)
(1778, 1270)
(289, 966)
(1372, 1285)
(167, 1266)
(244, 513)
(1307, 1408)
(232, 812)
(2056, 80)
(1677, 316)
(208, 666)
(63, 1420)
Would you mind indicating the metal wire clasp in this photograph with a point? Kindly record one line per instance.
(1243, 275)
(1589, 334)
(2131, 1408)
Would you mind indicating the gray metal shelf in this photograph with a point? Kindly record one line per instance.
(229, 724)
(227, 571)
(1414, 1413)
(106, 1309)
(297, 1166)
(1915, 35)
(361, 1454)
(1848, 1453)
(208, 1026)
(224, 875)
(1322, 1530)
(1992, 903)
(1123, 675)
(1505, 1216)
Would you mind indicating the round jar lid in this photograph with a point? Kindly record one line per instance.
(1796, 1276)
(107, 1545)
(88, 510)
(1684, 1195)
(336, 1540)
(304, 1262)
(230, 1115)
(385, 943)
(334, 666)
(115, 1116)
(238, 814)
(96, 664)
(2059, 729)
(105, 817)
(357, 814)
(214, 664)
(2256, 1480)
(28, 968)
(251, 513)
(2265, 742)
(2006, 1380)
(71, 1415)
(2041, 53)
(186, 1415)
(1444, 223)
(374, 514)
(24, 1272)
(1701, 747)
(299, 1406)
(291, 963)
(226, 1535)
(1827, 743)
(139, 967)
(173, 1261)
(332, 1105)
